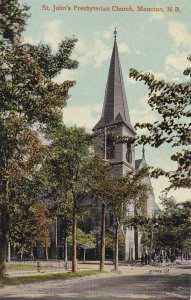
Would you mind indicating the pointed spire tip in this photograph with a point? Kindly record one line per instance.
(115, 33)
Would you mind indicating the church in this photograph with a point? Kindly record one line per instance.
(115, 121)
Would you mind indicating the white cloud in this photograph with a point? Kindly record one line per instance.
(181, 195)
(66, 75)
(130, 80)
(143, 112)
(107, 34)
(98, 52)
(52, 34)
(176, 61)
(30, 40)
(159, 185)
(157, 75)
(84, 53)
(123, 48)
(179, 32)
(102, 53)
(137, 52)
(82, 116)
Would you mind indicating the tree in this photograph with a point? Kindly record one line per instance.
(84, 240)
(69, 148)
(171, 101)
(99, 182)
(170, 231)
(30, 226)
(29, 99)
(41, 225)
(23, 198)
(127, 190)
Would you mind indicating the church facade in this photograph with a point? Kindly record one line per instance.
(115, 121)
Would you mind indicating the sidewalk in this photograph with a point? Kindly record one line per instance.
(183, 267)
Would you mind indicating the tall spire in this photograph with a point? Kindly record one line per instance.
(115, 33)
(115, 108)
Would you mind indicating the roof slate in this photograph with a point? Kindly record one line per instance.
(115, 108)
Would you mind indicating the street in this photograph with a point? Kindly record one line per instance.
(131, 283)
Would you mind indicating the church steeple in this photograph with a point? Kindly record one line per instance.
(115, 108)
(115, 121)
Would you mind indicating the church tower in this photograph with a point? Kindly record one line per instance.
(115, 120)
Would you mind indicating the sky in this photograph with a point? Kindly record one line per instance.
(155, 41)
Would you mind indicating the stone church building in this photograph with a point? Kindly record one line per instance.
(115, 120)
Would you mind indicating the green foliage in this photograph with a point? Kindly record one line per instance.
(110, 241)
(116, 193)
(12, 19)
(172, 102)
(16, 280)
(54, 63)
(171, 230)
(63, 170)
(186, 246)
(98, 178)
(30, 101)
(30, 224)
(28, 95)
(129, 189)
(84, 240)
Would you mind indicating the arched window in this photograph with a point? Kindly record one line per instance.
(129, 152)
(110, 147)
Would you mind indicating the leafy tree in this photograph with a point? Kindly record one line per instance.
(127, 190)
(30, 227)
(115, 195)
(99, 181)
(41, 225)
(22, 199)
(186, 247)
(84, 240)
(29, 99)
(172, 102)
(69, 148)
(171, 229)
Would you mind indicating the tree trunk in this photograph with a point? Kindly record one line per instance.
(74, 224)
(3, 254)
(116, 266)
(3, 241)
(9, 253)
(64, 224)
(66, 250)
(136, 237)
(56, 237)
(84, 255)
(102, 249)
(46, 250)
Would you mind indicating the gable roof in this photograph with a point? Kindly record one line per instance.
(138, 163)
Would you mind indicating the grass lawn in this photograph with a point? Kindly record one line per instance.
(45, 277)
(21, 267)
